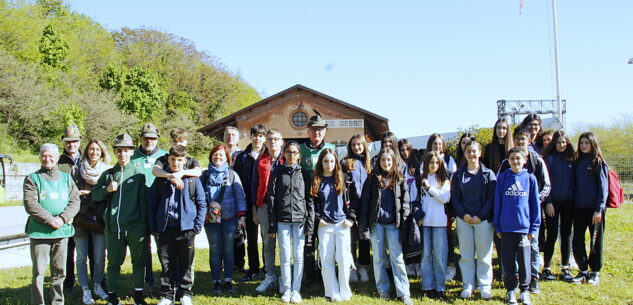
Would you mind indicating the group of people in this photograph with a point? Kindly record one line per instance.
(517, 193)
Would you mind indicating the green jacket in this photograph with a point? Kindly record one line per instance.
(127, 206)
(147, 163)
(310, 156)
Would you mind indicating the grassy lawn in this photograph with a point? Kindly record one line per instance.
(615, 288)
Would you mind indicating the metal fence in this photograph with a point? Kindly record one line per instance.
(623, 165)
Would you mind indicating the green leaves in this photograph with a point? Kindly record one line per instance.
(53, 49)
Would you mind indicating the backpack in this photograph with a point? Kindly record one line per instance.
(615, 196)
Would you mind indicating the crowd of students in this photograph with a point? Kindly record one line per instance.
(394, 212)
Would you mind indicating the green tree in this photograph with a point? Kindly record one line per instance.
(53, 49)
(141, 95)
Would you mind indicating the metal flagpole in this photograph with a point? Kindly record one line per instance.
(558, 97)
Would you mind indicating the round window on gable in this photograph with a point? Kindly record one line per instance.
(299, 119)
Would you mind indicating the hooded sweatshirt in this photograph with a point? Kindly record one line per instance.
(517, 206)
(562, 175)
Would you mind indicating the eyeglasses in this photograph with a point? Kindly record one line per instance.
(290, 152)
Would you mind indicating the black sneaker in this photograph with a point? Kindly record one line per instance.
(534, 286)
(429, 293)
(547, 275)
(581, 277)
(113, 299)
(525, 298)
(439, 295)
(594, 278)
(511, 297)
(228, 287)
(217, 288)
(566, 275)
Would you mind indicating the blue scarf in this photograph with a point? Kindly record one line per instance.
(215, 179)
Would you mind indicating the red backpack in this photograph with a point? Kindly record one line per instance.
(615, 197)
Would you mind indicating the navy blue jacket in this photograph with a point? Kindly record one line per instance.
(246, 167)
(591, 187)
(459, 200)
(562, 175)
(192, 214)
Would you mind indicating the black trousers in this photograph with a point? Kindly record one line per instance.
(360, 248)
(563, 211)
(176, 251)
(251, 246)
(515, 248)
(451, 239)
(582, 220)
(69, 282)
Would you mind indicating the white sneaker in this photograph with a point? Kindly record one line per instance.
(295, 297)
(165, 301)
(335, 298)
(99, 292)
(362, 272)
(346, 298)
(286, 296)
(267, 283)
(466, 294)
(186, 300)
(353, 275)
(450, 273)
(87, 297)
(486, 294)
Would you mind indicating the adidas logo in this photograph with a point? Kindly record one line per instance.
(516, 190)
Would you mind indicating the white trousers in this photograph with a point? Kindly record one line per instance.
(334, 245)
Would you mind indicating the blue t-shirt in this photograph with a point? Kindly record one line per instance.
(331, 202)
(387, 212)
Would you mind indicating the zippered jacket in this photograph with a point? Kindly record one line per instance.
(289, 198)
(370, 204)
(191, 212)
(127, 206)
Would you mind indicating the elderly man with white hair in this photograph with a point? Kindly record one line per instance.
(51, 199)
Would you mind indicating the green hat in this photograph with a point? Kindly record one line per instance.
(316, 120)
(71, 133)
(149, 130)
(123, 140)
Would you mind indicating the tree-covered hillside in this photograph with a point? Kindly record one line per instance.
(58, 66)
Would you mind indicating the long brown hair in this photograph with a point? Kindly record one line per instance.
(349, 160)
(440, 174)
(393, 176)
(339, 180)
(495, 161)
(596, 152)
(105, 156)
(412, 163)
(569, 154)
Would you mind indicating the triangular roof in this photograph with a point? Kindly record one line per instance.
(218, 126)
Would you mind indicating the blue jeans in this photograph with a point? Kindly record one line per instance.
(221, 236)
(434, 258)
(291, 239)
(82, 239)
(385, 237)
(475, 239)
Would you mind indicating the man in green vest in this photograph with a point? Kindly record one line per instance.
(310, 152)
(69, 163)
(51, 199)
(123, 186)
(146, 155)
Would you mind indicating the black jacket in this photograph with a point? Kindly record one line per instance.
(289, 199)
(243, 166)
(370, 204)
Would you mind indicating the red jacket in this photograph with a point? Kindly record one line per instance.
(264, 170)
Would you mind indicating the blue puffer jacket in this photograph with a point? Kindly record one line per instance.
(233, 200)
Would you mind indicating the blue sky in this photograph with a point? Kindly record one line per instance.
(428, 66)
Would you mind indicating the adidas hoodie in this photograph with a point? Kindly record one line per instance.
(517, 206)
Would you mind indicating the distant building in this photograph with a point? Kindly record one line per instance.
(289, 111)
